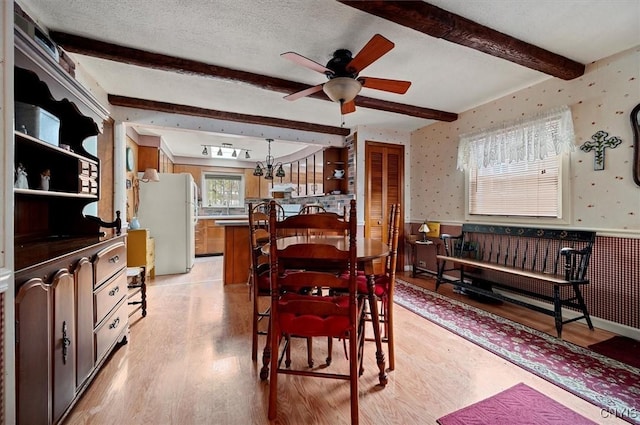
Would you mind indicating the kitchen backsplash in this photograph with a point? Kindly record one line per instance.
(204, 211)
(332, 203)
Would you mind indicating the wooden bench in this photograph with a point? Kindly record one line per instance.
(543, 264)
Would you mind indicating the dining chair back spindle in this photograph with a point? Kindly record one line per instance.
(307, 263)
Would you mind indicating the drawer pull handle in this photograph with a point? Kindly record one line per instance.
(114, 259)
(66, 342)
(114, 291)
(115, 323)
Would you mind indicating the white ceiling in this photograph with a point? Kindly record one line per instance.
(251, 35)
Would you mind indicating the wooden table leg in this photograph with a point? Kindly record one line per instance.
(375, 318)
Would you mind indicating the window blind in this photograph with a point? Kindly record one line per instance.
(516, 189)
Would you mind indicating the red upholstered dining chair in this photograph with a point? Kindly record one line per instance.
(294, 313)
(385, 283)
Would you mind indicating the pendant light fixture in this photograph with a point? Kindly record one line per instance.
(266, 169)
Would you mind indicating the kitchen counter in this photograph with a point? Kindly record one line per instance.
(223, 217)
(237, 255)
(244, 222)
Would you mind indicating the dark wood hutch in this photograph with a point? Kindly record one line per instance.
(70, 273)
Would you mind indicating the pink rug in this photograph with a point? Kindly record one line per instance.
(518, 405)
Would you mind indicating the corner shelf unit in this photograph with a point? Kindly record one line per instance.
(335, 159)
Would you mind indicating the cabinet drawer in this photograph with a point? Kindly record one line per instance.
(108, 295)
(108, 262)
(112, 327)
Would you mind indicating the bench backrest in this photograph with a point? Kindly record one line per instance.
(555, 251)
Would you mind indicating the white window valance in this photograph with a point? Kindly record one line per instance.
(526, 139)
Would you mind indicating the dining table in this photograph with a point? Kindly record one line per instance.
(367, 251)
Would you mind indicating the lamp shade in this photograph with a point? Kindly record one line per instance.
(150, 175)
(424, 228)
(342, 89)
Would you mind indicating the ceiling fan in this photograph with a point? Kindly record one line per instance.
(342, 71)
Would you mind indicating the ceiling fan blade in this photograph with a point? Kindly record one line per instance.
(348, 107)
(303, 93)
(306, 62)
(371, 52)
(393, 86)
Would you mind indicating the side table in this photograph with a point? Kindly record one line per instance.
(416, 269)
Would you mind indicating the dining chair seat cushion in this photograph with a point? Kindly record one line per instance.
(381, 284)
(313, 315)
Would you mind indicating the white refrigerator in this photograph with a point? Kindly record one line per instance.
(168, 208)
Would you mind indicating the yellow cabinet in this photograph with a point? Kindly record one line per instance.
(141, 250)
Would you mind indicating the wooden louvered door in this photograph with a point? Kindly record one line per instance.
(384, 176)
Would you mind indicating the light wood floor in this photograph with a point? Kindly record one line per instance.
(189, 362)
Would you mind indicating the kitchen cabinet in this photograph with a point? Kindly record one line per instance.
(209, 237)
(154, 157)
(201, 237)
(215, 237)
(141, 250)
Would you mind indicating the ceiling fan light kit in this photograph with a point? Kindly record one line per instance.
(342, 89)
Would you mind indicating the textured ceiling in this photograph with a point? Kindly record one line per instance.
(251, 35)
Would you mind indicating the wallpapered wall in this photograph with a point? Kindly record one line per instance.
(601, 99)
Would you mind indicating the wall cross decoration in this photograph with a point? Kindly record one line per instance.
(597, 144)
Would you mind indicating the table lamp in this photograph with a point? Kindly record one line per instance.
(424, 229)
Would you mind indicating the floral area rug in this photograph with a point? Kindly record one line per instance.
(607, 383)
(518, 405)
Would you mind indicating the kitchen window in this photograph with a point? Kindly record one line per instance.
(519, 169)
(223, 190)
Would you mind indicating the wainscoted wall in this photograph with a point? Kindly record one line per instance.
(614, 291)
(606, 201)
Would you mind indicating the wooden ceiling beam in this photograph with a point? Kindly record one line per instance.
(100, 49)
(440, 23)
(172, 108)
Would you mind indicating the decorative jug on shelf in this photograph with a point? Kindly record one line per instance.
(338, 174)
